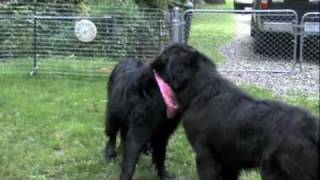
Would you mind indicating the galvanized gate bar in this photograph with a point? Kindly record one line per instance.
(304, 34)
(290, 12)
(239, 11)
(56, 17)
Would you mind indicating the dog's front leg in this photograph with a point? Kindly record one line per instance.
(135, 141)
(207, 166)
(112, 128)
(229, 173)
(159, 147)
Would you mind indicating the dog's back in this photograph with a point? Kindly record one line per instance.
(124, 73)
(295, 141)
(280, 137)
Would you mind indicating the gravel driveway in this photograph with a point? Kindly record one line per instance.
(241, 58)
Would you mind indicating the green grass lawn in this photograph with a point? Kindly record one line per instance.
(52, 128)
(85, 66)
(209, 31)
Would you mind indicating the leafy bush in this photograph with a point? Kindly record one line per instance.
(16, 38)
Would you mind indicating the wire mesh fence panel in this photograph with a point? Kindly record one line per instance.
(15, 53)
(68, 40)
(116, 34)
(310, 38)
(250, 40)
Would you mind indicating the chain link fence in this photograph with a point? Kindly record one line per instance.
(61, 40)
(67, 40)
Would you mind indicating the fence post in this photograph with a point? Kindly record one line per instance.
(34, 39)
(182, 28)
(187, 20)
(161, 34)
(176, 22)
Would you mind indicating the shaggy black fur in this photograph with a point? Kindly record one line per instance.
(230, 130)
(136, 108)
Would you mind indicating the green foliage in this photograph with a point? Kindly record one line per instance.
(103, 5)
(153, 3)
(162, 4)
(16, 39)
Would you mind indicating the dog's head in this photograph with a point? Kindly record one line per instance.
(176, 65)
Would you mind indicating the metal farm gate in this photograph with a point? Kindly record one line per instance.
(238, 44)
(251, 40)
(68, 42)
(310, 37)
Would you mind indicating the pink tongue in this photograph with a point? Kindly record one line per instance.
(168, 96)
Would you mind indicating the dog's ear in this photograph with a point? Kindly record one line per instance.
(160, 62)
(192, 56)
(199, 57)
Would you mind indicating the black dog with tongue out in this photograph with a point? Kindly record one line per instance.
(137, 109)
(229, 130)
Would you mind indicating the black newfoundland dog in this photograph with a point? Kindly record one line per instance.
(137, 110)
(229, 130)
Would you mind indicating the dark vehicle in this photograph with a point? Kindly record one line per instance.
(278, 29)
(242, 4)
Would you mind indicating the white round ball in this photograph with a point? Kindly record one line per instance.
(85, 30)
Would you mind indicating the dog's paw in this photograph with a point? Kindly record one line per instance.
(146, 152)
(168, 176)
(147, 149)
(110, 154)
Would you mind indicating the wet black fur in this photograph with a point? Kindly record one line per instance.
(230, 130)
(136, 109)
